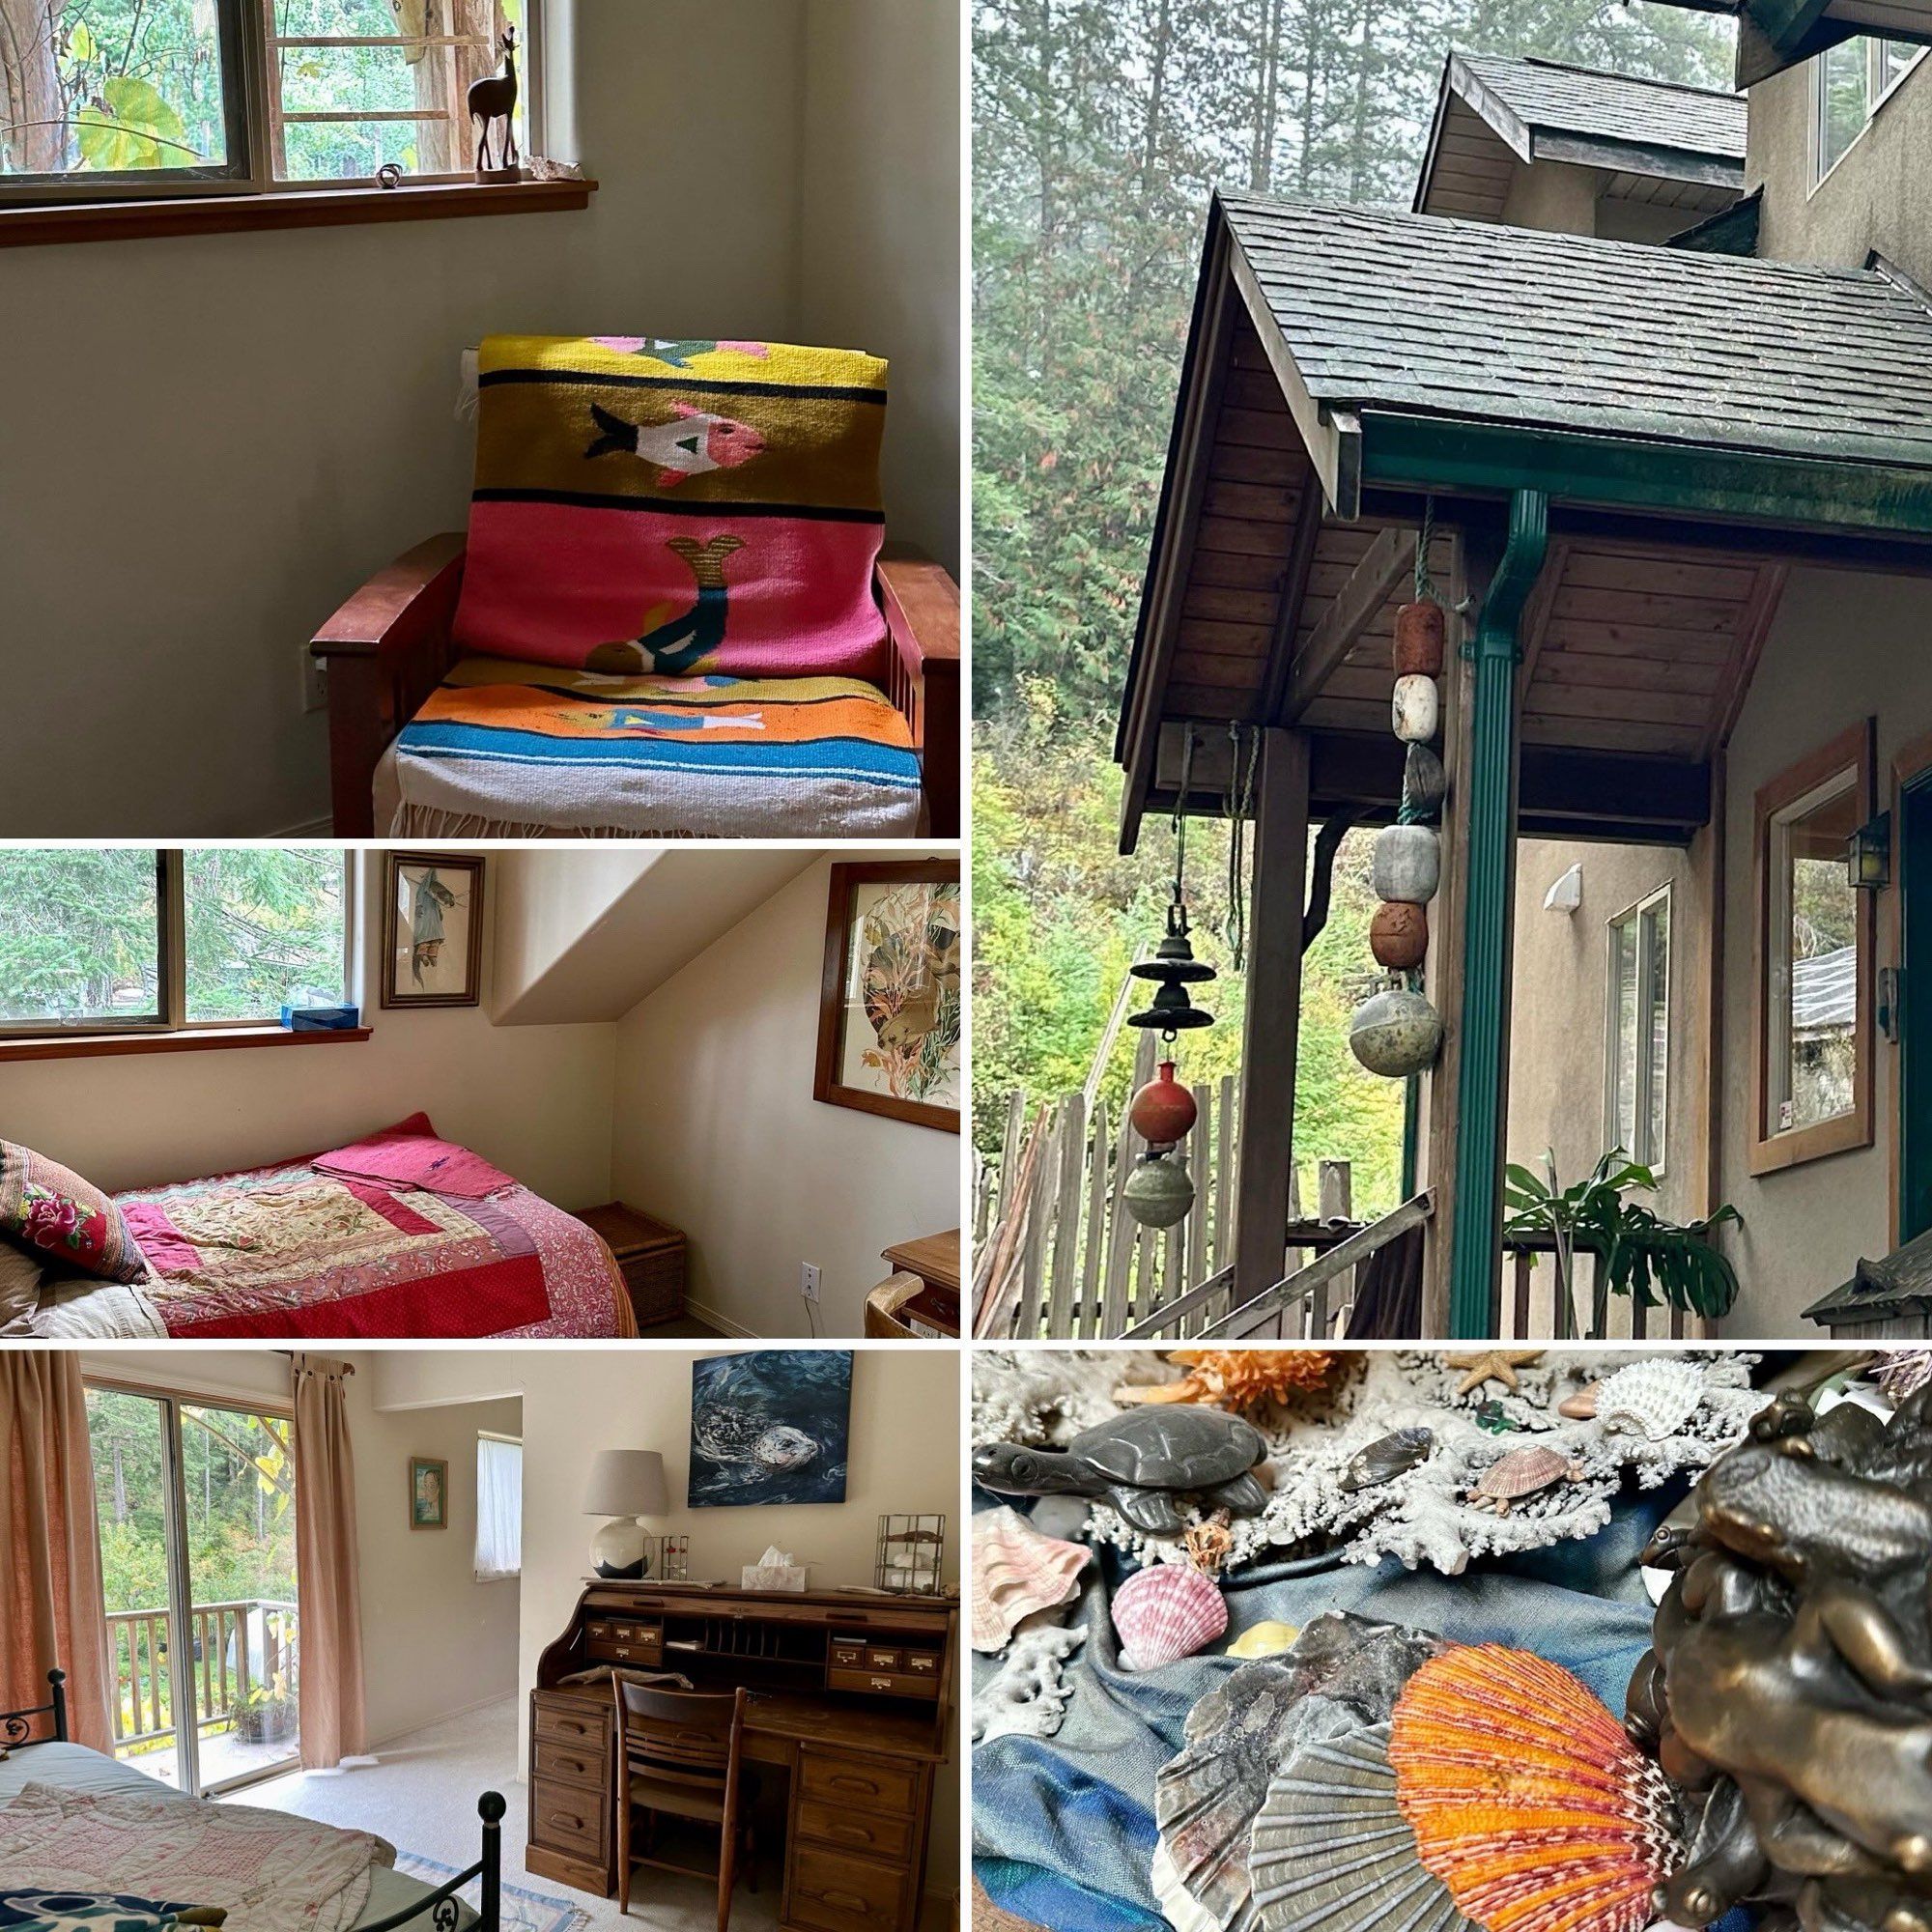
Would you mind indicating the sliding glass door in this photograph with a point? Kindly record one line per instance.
(195, 1504)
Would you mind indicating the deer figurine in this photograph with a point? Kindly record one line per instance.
(495, 97)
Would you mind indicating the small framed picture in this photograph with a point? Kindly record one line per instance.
(429, 1493)
(888, 1004)
(433, 930)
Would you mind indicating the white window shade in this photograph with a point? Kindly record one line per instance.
(499, 1509)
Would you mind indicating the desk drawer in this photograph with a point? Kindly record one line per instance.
(872, 1832)
(585, 1730)
(884, 1683)
(644, 1647)
(862, 1783)
(572, 1764)
(844, 1894)
(567, 1818)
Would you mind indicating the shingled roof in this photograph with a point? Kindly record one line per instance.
(1415, 314)
(1613, 108)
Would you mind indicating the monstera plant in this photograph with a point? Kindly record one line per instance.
(1636, 1254)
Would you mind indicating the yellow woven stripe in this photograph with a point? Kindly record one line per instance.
(469, 673)
(785, 362)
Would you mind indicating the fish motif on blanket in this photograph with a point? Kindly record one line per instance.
(692, 445)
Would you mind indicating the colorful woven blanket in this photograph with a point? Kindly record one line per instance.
(507, 750)
(676, 507)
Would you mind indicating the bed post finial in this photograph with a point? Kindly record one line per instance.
(490, 1807)
(57, 1684)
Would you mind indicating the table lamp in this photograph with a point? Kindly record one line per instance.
(625, 1486)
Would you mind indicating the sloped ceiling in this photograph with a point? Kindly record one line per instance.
(585, 935)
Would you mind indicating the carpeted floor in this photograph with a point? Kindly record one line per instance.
(421, 1793)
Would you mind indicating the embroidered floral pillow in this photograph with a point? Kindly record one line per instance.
(68, 1222)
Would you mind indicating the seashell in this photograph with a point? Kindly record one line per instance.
(1424, 782)
(1518, 1474)
(1398, 936)
(1396, 1033)
(1383, 1461)
(1652, 1399)
(1331, 1849)
(1235, 1378)
(1164, 1614)
(1582, 1405)
(1527, 1798)
(1017, 1571)
(1416, 710)
(1158, 1192)
(1263, 1639)
(1407, 865)
(1902, 1372)
(1421, 629)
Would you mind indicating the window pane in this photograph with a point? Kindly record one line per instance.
(79, 936)
(1657, 998)
(261, 929)
(1815, 964)
(1844, 104)
(101, 87)
(1623, 1034)
(499, 1509)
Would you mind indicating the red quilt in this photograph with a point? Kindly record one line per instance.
(292, 1251)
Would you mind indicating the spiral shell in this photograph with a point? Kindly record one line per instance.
(1016, 1571)
(1652, 1399)
(1903, 1371)
(1164, 1614)
(1527, 1798)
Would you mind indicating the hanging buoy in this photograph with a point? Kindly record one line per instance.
(1408, 863)
(1398, 936)
(1163, 1110)
(1423, 782)
(1416, 710)
(1419, 632)
(1158, 1192)
(1395, 1032)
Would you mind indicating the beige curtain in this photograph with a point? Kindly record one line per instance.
(51, 1611)
(330, 1695)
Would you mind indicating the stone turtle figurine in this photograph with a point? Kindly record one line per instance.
(1139, 1461)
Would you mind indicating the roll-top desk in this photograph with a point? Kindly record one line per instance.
(851, 1695)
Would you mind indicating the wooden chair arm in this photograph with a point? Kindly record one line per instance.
(921, 607)
(386, 649)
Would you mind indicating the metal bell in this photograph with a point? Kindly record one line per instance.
(1175, 968)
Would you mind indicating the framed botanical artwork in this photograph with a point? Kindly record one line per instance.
(770, 1426)
(433, 930)
(429, 1493)
(889, 1005)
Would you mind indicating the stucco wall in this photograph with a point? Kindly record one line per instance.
(1875, 198)
(1561, 198)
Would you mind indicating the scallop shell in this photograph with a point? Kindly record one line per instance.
(1331, 1851)
(1016, 1571)
(1388, 1457)
(1527, 1798)
(1903, 1371)
(1263, 1639)
(1164, 1614)
(1521, 1474)
(1651, 1399)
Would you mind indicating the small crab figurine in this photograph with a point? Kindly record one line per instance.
(1521, 1474)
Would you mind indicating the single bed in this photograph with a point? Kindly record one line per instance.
(41, 1753)
(310, 1249)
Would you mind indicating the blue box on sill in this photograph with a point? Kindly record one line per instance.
(320, 1019)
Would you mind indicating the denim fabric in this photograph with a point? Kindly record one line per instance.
(1064, 1827)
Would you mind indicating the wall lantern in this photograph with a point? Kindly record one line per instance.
(1868, 854)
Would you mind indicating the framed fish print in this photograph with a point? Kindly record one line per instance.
(888, 1004)
(433, 930)
(429, 1493)
(770, 1426)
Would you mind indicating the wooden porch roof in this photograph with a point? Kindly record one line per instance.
(1341, 362)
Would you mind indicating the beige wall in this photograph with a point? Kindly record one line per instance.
(904, 1456)
(1874, 199)
(717, 1131)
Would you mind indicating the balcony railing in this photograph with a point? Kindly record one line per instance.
(238, 1648)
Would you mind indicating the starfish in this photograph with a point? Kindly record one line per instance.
(1493, 1365)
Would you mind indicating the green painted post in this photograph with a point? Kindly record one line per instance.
(1473, 1255)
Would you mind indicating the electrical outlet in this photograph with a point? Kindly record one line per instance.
(807, 1280)
(315, 681)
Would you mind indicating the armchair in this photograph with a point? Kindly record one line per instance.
(388, 647)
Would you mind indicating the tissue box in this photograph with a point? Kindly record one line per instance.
(320, 1019)
(773, 1575)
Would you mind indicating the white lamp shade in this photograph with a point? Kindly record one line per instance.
(626, 1482)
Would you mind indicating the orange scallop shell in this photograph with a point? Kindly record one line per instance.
(1527, 1798)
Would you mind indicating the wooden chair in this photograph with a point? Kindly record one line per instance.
(388, 647)
(678, 1754)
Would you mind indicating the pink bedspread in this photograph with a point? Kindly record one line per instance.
(411, 1154)
(293, 1251)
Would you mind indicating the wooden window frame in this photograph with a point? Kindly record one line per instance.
(1638, 911)
(170, 1027)
(1771, 1152)
(173, 197)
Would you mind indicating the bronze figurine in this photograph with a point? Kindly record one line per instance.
(493, 98)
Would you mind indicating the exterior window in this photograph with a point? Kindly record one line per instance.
(128, 938)
(100, 103)
(1815, 946)
(1640, 1030)
(1848, 83)
(500, 1508)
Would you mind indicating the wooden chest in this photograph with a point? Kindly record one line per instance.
(650, 1256)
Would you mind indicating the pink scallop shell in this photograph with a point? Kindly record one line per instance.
(1016, 1571)
(1166, 1612)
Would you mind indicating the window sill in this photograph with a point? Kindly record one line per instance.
(92, 1046)
(291, 207)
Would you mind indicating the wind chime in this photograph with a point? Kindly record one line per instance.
(1160, 1191)
(1396, 1032)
